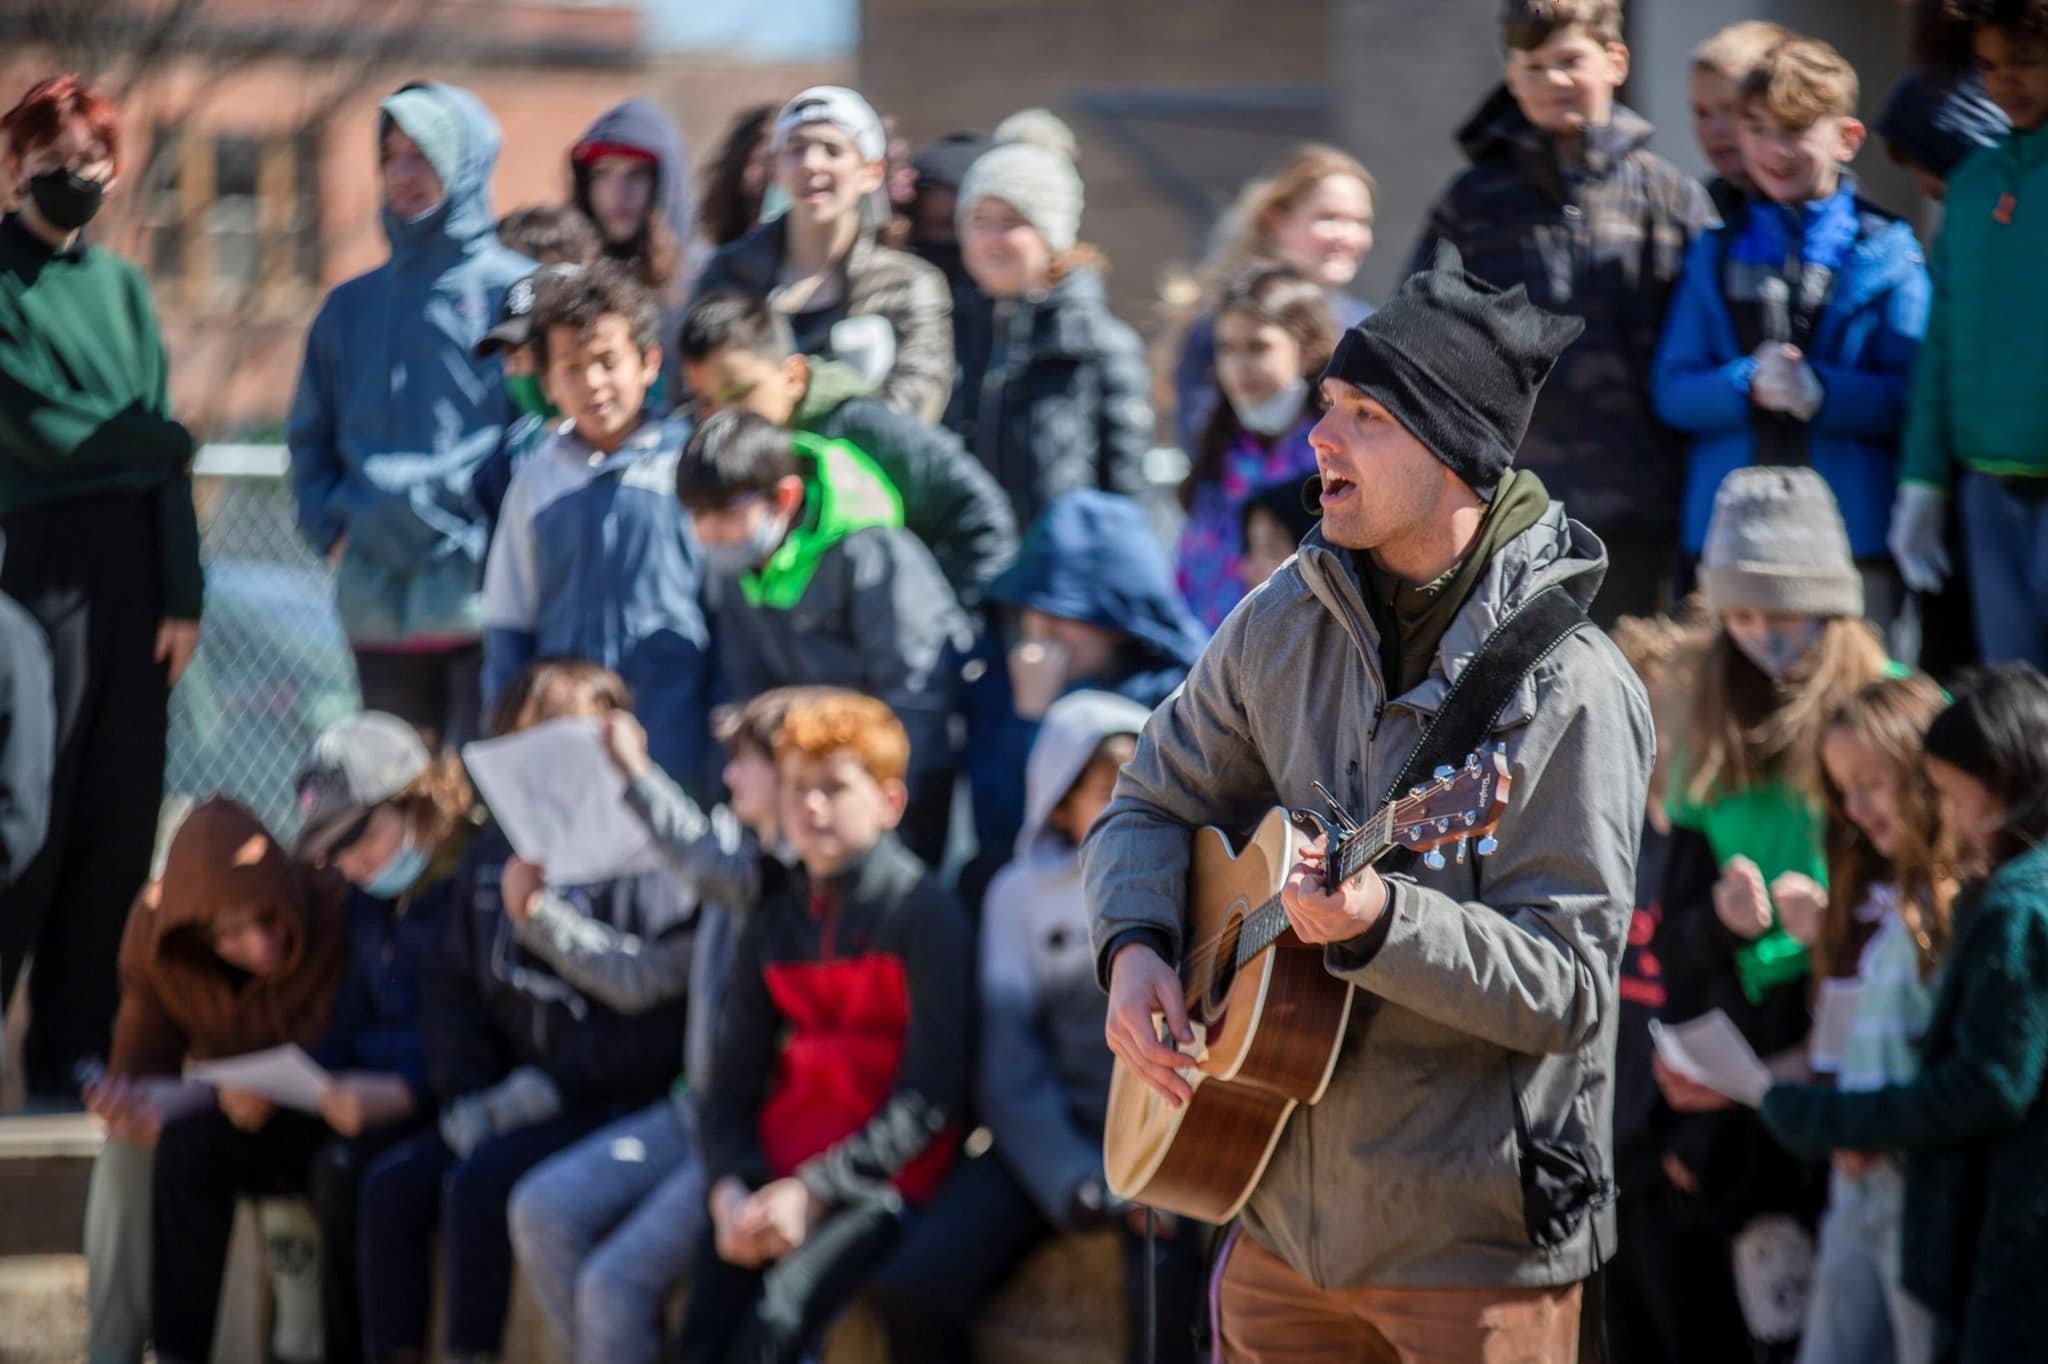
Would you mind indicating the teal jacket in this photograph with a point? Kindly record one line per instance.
(1972, 1127)
(394, 418)
(1977, 390)
(84, 407)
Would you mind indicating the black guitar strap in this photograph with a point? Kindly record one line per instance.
(1475, 702)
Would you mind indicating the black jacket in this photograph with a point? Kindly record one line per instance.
(490, 1006)
(28, 736)
(845, 1034)
(1602, 237)
(1053, 395)
(949, 500)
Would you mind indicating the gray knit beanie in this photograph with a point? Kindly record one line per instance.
(1040, 184)
(1776, 543)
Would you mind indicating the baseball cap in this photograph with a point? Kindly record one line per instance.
(356, 765)
(514, 327)
(844, 109)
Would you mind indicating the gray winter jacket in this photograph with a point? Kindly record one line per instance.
(1043, 1079)
(1495, 983)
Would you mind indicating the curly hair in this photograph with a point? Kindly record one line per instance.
(1945, 31)
(846, 722)
(730, 210)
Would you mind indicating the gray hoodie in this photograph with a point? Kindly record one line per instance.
(1043, 1079)
(1495, 982)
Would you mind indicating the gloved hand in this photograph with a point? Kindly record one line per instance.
(521, 1099)
(1785, 383)
(1918, 539)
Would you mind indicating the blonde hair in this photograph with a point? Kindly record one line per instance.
(1739, 48)
(1655, 647)
(1243, 240)
(1743, 728)
(438, 805)
(1801, 82)
(1890, 715)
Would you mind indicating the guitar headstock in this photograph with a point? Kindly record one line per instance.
(1454, 806)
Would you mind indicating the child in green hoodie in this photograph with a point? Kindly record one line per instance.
(1976, 430)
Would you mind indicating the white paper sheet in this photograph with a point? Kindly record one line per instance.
(1709, 1050)
(562, 802)
(284, 1075)
(1834, 1018)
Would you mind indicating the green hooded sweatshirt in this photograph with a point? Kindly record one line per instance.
(843, 492)
(84, 409)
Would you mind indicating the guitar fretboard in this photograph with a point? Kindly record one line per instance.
(1357, 850)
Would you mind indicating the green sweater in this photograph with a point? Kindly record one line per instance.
(1972, 1124)
(1977, 388)
(83, 403)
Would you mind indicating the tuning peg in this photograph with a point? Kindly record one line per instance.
(1469, 818)
(1415, 790)
(1487, 846)
(1444, 772)
(1443, 826)
(1434, 859)
(1461, 852)
(1471, 762)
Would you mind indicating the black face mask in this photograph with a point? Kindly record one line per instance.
(66, 199)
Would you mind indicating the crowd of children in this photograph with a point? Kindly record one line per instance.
(841, 530)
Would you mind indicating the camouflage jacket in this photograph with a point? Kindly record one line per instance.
(1603, 237)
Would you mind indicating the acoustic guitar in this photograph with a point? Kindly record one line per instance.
(1268, 1019)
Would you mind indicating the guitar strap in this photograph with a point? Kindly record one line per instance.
(1479, 696)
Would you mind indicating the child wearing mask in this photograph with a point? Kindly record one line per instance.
(521, 1062)
(1090, 603)
(816, 582)
(1312, 214)
(1969, 1123)
(1273, 335)
(1747, 806)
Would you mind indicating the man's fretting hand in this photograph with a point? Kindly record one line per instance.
(1322, 916)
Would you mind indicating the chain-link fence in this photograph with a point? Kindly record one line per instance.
(273, 667)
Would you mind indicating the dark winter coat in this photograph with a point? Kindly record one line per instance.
(1054, 396)
(1972, 1126)
(1603, 238)
(492, 1006)
(949, 501)
(845, 1034)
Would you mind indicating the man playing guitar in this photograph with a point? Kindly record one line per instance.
(1450, 1192)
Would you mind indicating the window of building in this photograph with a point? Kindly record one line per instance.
(233, 219)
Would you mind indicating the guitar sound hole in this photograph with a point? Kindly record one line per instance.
(1222, 973)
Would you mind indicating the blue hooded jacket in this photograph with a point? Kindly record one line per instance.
(1864, 345)
(393, 415)
(1092, 557)
(594, 559)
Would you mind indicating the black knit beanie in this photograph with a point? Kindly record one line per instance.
(1458, 363)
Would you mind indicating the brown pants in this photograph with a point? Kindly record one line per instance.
(1271, 1315)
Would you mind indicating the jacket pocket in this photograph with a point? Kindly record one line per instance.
(1561, 1180)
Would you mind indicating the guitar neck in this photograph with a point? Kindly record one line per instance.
(1357, 850)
